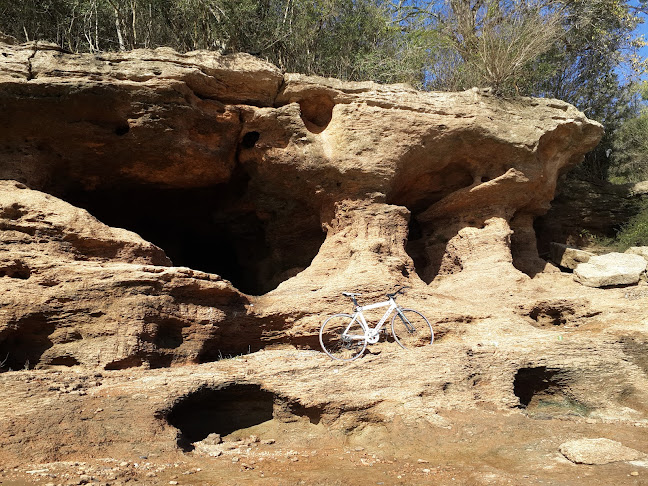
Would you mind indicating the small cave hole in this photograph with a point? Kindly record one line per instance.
(544, 393)
(168, 334)
(551, 315)
(15, 269)
(313, 414)
(63, 361)
(250, 139)
(220, 411)
(122, 129)
(530, 382)
(122, 364)
(317, 112)
(415, 246)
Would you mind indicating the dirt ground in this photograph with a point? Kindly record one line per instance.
(479, 447)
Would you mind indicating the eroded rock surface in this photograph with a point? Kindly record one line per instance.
(280, 191)
(304, 185)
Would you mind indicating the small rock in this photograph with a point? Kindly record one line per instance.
(268, 441)
(212, 439)
(566, 256)
(359, 448)
(634, 473)
(235, 459)
(422, 461)
(173, 482)
(598, 451)
(426, 471)
(254, 438)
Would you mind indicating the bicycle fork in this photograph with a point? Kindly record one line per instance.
(408, 325)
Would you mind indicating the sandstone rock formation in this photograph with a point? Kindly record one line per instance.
(250, 199)
(235, 169)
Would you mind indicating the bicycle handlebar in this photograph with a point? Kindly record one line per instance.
(393, 295)
(401, 290)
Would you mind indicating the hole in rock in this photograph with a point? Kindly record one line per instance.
(15, 269)
(426, 244)
(254, 243)
(249, 139)
(23, 342)
(223, 411)
(543, 391)
(547, 316)
(63, 361)
(168, 333)
(122, 129)
(313, 414)
(415, 246)
(317, 112)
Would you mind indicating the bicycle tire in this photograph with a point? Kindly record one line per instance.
(335, 345)
(421, 333)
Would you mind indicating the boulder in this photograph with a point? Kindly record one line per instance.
(611, 269)
(598, 451)
(638, 250)
(567, 256)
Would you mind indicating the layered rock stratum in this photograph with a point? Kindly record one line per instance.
(249, 200)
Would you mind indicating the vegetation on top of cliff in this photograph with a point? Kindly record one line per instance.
(582, 51)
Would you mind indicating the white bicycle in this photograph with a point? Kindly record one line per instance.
(345, 336)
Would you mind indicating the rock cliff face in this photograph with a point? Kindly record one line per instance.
(303, 185)
(249, 200)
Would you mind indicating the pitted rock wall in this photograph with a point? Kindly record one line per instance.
(308, 187)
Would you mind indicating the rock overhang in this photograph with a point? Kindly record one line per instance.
(309, 181)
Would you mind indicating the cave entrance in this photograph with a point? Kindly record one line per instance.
(545, 391)
(24, 342)
(221, 411)
(255, 243)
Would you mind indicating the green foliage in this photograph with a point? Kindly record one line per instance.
(630, 145)
(348, 39)
(634, 232)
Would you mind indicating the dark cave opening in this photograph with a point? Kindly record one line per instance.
(24, 342)
(219, 229)
(530, 382)
(220, 411)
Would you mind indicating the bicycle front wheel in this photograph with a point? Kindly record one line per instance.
(342, 337)
(411, 329)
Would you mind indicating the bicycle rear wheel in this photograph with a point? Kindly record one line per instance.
(342, 337)
(411, 329)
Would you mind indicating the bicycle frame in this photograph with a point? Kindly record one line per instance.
(372, 334)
